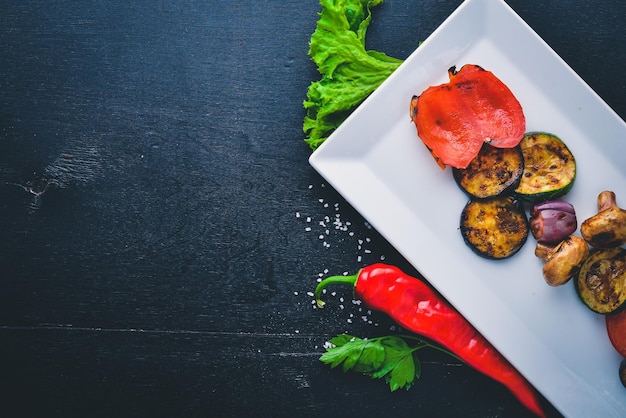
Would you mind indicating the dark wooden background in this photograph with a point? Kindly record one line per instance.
(152, 170)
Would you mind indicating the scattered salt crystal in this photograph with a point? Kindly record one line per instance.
(297, 214)
(307, 229)
(295, 293)
(310, 294)
(349, 321)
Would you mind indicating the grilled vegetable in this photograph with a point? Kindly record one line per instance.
(616, 328)
(601, 282)
(494, 228)
(494, 171)
(552, 221)
(549, 168)
(608, 228)
(563, 261)
(455, 119)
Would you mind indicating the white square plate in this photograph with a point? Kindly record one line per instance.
(376, 161)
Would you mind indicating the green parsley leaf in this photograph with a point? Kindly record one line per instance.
(389, 357)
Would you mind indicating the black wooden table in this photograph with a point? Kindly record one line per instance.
(160, 225)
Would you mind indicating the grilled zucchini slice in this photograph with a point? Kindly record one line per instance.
(494, 228)
(494, 171)
(601, 282)
(549, 168)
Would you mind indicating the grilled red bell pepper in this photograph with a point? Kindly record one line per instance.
(419, 309)
(455, 119)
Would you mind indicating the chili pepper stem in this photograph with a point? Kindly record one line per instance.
(332, 280)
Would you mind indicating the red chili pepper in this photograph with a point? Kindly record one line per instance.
(419, 309)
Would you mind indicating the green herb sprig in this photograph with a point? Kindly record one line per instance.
(389, 357)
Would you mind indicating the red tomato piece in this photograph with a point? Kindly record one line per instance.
(616, 328)
(455, 119)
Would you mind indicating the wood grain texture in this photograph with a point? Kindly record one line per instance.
(155, 201)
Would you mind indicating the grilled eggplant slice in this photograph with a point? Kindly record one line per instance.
(494, 228)
(494, 171)
(549, 168)
(601, 282)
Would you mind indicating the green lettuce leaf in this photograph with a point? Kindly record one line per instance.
(349, 71)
